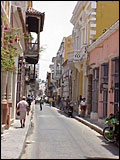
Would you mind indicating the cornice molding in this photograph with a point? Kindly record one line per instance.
(104, 36)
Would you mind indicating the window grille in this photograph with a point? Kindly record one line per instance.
(115, 81)
(95, 82)
(115, 72)
(104, 75)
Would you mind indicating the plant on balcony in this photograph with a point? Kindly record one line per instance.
(8, 51)
(27, 37)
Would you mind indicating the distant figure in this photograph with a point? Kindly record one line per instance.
(50, 100)
(83, 106)
(41, 102)
(62, 103)
(70, 109)
(67, 102)
(59, 99)
(29, 99)
(22, 108)
(79, 107)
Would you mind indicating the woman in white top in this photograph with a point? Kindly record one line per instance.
(83, 107)
(22, 108)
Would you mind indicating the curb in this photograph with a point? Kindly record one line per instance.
(28, 127)
(92, 126)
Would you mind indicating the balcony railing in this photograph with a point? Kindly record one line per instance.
(32, 52)
(57, 74)
(32, 48)
(76, 55)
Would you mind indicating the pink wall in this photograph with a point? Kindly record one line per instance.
(101, 53)
(110, 46)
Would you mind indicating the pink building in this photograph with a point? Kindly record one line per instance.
(104, 67)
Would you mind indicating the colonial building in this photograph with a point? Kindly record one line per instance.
(104, 67)
(90, 19)
(34, 24)
(67, 90)
(15, 14)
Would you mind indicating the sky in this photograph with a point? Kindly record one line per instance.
(56, 26)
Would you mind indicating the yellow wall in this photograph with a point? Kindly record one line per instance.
(107, 13)
(81, 81)
(68, 45)
(29, 3)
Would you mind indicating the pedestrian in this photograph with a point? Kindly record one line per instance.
(22, 108)
(41, 102)
(59, 99)
(50, 100)
(29, 99)
(83, 106)
(53, 103)
(79, 108)
(67, 102)
(70, 109)
(62, 103)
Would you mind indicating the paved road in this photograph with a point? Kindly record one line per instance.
(53, 135)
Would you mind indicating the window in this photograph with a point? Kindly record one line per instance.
(83, 36)
(95, 84)
(115, 72)
(86, 33)
(104, 73)
(115, 81)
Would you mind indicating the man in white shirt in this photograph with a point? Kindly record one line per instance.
(22, 108)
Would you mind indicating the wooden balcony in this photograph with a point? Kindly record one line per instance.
(32, 53)
(34, 24)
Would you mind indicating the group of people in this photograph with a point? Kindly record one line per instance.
(23, 106)
(66, 103)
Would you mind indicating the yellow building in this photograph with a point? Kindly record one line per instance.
(107, 13)
(68, 46)
(90, 19)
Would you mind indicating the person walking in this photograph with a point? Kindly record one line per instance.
(79, 107)
(50, 100)
(70, 109)
(41, 102)
(83, 106)
(59, 99)
(29, 102)
(67, 102)
(62, 103)
(22, 108)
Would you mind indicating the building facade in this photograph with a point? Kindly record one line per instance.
(104, 66)
(87, 19)
(14, 15)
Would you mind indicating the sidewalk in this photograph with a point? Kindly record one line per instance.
(13, 139)
(93, 124)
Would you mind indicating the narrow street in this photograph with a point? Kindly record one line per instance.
(53, 135)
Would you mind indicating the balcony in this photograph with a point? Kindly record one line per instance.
(77, 55)
(57, 74)
(32, 53)
(34, 24)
